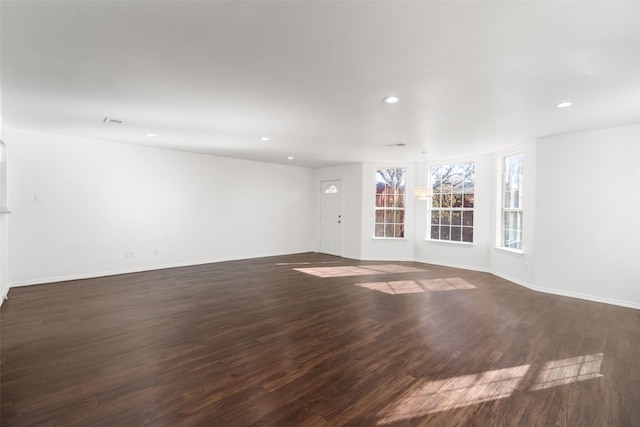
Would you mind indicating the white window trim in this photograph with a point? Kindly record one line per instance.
(430, 209)
(403, 209)
(510, 251)
(389, 238)
(450, 242)
(500, 205)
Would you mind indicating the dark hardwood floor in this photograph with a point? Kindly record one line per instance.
(314, 340)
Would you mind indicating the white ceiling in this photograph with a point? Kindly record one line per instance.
(213, 77)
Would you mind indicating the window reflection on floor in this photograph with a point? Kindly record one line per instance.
(344, 271)
(415, 287)
(308, 263)
(441, 395)
(447, 284)
(393, 268)
(567, 371)
(336, 271)
(427, 397)
(394, 288)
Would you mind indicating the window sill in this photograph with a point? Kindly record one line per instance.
(514, 252)
(388, 238)
(451, 243)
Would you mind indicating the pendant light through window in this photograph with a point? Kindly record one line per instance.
(424, 192)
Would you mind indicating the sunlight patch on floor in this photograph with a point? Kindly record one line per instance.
(336, 271)
(451, 284)
(567, 371)
(442, 395)
(393, 268)
(428, 397)
(308, 263)
(413, 287)
(394, 288)
(345, 271)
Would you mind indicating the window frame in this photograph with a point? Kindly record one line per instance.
(501, 242)
(437, 192)
(399, 207)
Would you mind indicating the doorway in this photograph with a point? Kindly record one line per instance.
(331, 217)
(4, 280)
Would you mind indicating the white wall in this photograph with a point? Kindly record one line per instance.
(358, 181)
(4, 218)
(469, 256)
(78, 205)
(588, 215)
(581, 218)
(351, 178)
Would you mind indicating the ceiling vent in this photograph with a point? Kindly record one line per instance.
(108, 120)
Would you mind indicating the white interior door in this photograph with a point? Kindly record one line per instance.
(331, 217)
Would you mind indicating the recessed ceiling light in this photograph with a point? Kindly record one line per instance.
(290, 158)
(150, 135)
(264, 138)
(391, 100)
(564, 104)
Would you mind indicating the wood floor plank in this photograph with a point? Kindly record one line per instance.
(314, 340)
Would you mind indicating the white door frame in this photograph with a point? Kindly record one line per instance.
(337, 247)
(4, 226)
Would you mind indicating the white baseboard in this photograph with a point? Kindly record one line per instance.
(562, 293)
(453, 265)
(4, 295)
(534, 288)
(141, 269)
(376, 259)
(513, 280)
(587, 297)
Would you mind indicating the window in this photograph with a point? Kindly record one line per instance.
(332, 189)
(390, 202)
(453, 200)
(511, 209)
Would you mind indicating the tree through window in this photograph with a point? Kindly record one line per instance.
(390, 202)
(511, 209)
(453, 202)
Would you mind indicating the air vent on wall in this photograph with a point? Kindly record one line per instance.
(399, 144)
(108, 120)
